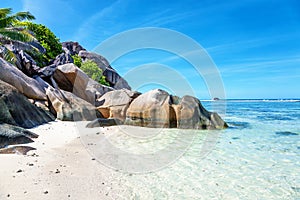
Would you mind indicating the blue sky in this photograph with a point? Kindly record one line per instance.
(254, 43)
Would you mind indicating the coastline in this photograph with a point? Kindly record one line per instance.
(252, 149)
(60, 168)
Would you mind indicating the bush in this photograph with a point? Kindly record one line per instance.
(94, 72)
(46, 38)
(77, 60)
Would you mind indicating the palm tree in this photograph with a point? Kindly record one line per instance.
(12, 34)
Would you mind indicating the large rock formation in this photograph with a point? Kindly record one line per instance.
(157, 108)
(69, 94)
(26, 85)
(72, 47)
(114, 104)
(69, 107)
(15, 109)
(151, 109)
(26, 64)
(62, 59)
(115, 80)
(190, 114)
(70, 78)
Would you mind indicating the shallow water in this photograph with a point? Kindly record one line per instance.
(257, 157)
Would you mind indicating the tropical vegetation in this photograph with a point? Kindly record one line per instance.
(93, 71)
(17, 32)
(12, 34)
(46, 38)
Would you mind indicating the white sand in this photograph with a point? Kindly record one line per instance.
(64, 169)
(60, 168)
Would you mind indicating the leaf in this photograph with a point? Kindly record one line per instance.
(4, 12)
(12, 34)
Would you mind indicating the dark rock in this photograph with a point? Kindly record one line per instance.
(47, 71)
(101, 122)
(15, 45)
(19, 130)
(63, 58)
(72, 47)
(11, 135)
(115, 79)
(26, 85)
(27, 64)
(38, 46)
(15, 109)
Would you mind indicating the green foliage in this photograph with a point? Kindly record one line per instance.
(7, 19)
(10, 32)
(77, 60)
(46, 38)
(93, 71)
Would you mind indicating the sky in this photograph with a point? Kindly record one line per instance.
(255, 44)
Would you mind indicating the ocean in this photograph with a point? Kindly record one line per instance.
(257, 157)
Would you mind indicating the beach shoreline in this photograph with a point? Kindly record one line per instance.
(59, 168)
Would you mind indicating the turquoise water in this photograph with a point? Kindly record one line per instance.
(258, 157)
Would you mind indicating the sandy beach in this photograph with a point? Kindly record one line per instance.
(60, 168)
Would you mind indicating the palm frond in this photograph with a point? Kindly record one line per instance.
(4, 12)
(8, 21)
(12, 34)
(8, 55)
(20, 16)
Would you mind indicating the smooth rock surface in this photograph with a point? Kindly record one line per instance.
(26, 85)
(72, 79)
(190, 114)
(150, 109)
(69, 107)
(157, 108)
(114, 104)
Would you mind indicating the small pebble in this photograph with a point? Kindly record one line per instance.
(57, 171)
(46, 192)
(93, 158)
(19, 171)
(8, 195)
